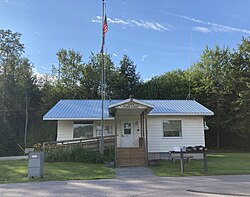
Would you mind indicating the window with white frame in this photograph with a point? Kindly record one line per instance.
(172, 128)
(83, 129)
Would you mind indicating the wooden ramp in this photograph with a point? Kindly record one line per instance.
(130, 157)
(88, 143)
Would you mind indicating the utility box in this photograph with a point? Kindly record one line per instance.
(35, 164)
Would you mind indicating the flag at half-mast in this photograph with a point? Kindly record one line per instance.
(105, 25)
(104, 31)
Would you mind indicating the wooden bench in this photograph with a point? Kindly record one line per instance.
(187, 158)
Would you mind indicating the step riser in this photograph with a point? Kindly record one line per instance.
(130, 157)
(130, 164)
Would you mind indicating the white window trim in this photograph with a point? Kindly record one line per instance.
(174, 137)
(88, 124)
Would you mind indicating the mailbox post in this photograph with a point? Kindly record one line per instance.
(182, 160)
(35, 164)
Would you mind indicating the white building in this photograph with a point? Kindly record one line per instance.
(141, 127)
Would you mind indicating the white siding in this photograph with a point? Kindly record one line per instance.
(192, 133)
(64, 130)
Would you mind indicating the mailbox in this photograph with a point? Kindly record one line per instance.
(35, 164)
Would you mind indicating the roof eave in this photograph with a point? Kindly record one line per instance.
(181, 114)
(107, 118)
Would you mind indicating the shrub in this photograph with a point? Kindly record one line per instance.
(75, 153)
(109, 154)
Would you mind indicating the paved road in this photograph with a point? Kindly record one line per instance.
(131, 182)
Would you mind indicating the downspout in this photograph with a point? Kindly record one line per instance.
(115, 143)
(146, 129)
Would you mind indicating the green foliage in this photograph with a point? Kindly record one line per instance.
(129, 79)
(76, 153)
(218, 164)
(171, 85)
(220, 80)
(15, 80)
(73, 153)
(37, 147)
(109, 154)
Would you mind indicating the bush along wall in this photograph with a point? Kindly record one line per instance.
(76, 153)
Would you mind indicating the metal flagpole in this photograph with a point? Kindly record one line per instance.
(102, 81)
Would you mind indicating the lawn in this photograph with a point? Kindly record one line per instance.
(17, 171)
(218, 164)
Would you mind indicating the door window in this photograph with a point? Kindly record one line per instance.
(127, 128)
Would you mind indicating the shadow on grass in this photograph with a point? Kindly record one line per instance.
(17, 171)
(218, 164)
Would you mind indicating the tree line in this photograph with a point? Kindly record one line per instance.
(219, 80)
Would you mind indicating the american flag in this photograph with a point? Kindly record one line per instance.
(105, 26)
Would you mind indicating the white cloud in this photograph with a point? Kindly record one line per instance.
(221, 29)
(38, 75)
(139, 23)
(125, 50)
(211, 29)
(42, 78)
(201, 29)
(37, 33)
(143, 57)
(114, 54)
(117, 21)
(215, 26)
(98, 19)
(16, 3)
(150, 25)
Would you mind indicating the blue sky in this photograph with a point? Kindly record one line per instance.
(155, 34)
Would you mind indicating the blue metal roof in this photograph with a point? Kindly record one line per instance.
(91, 109)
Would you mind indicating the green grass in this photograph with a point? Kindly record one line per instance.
(218, 164)
(17, 171)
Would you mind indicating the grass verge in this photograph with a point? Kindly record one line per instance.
(218, 164)
(17, 171)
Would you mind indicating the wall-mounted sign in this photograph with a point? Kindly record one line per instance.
(107, 130)
(130, 106)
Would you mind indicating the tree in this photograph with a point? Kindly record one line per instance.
(240, 84)
(20, 95)
(11, 51)
(28, 91)
(129, 78)
(171, 85)
(91, 80)
(69, 72)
